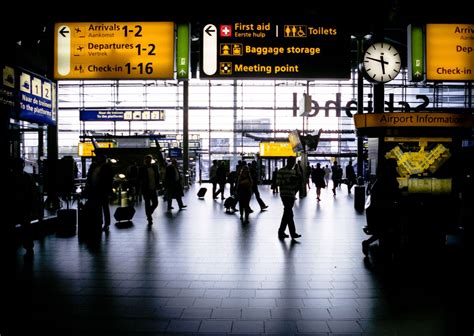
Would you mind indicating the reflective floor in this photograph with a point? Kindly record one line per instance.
(202, 271)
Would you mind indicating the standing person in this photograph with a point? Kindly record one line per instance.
(289, 182)
(149, 177)
(340, 174)
(173, 185)
(317, 176)
(307, 175)
(244, 187)
(133, 181)
(327, 174)
(350, 176)
(232, 179)
(212, 177)
(336, 177)
(21, 202)
(274, 180)
(254, 174)
(299, 172)
(99, 185)
(221, 178)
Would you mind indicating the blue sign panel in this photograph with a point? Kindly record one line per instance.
(175, 152)
(122, 115)
(36, 98)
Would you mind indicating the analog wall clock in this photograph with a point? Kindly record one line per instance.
(381, 62)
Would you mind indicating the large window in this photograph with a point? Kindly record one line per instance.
(229, 118)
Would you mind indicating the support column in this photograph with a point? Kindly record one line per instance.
(360, 106)
(186, 128)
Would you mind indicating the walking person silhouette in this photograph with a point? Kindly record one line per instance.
(173, 185)
(149, 177)
(289, 182)
(254, 174)
(317, 176)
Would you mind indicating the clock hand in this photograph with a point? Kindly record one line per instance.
(382, 62)
(374, 59)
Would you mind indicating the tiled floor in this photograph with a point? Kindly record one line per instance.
(201, 271)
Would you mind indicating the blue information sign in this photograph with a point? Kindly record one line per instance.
(36, 98)
(122, 115)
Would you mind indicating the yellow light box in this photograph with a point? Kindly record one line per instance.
(276, 149)
(114, 50)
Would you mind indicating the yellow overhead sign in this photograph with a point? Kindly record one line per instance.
(450, 52)
(114, 50)
(276, 149)
(87, 148)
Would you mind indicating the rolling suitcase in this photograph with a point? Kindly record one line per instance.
(89, 221)
(201, 192)
(124, 213)
(230, 203)
(67, 219)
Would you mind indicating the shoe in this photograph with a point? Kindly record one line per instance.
(318, 199)
(250, 211)
(106, 228)
(171, 208)
(264, 207)
(365, 247)
(283, 236)
(182, 207)
(296, 236)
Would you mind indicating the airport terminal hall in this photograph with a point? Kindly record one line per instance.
(237, 169)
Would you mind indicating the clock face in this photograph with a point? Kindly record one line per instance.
(381, 62)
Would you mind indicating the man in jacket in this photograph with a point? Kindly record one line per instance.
(149, 177)
(289, 182)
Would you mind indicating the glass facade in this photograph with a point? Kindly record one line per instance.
(229, 118)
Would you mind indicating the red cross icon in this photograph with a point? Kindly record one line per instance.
(226, 30)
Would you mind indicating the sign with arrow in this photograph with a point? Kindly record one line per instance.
(449, 49)
(282, 50)
(182, 51)
(416, 59)
(114, 50)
